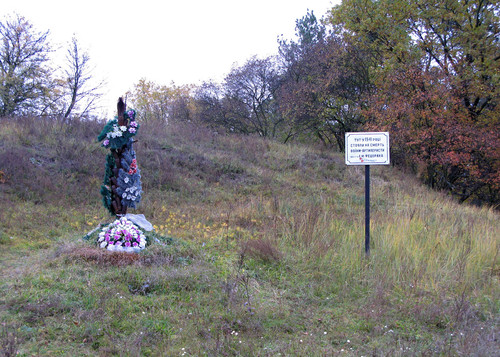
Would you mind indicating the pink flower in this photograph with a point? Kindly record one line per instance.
(105, 142)
(127, 244)
(132, 130)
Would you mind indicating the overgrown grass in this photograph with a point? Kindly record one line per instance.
(261, 253)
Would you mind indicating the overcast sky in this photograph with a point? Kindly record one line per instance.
(184, 41)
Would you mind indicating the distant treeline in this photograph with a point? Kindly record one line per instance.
(426, 71)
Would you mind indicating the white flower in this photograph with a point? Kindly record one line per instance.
(123, 128)
(117, 226)
(126, 180)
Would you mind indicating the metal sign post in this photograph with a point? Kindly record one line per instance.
(367, 210)
(367, 149)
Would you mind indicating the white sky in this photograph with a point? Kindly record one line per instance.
(184, 41)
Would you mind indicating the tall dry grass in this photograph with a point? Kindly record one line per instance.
(274, 248)
(310, 202)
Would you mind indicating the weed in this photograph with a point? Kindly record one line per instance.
(9, 341)
(36, 312)
(262, 249)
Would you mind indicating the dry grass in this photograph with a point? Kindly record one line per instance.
(261, 249)
(102, 257)
(269, 252)
(8, 342)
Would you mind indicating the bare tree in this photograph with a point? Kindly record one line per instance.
(79, 90)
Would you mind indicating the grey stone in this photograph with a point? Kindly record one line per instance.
(140, 220)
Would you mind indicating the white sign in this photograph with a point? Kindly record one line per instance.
(367, 148)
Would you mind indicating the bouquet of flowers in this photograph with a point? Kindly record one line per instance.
(122, 235)
(114, 136)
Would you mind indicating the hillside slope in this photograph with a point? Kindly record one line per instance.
(260, 253)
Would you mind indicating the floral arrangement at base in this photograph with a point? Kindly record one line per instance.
(122, 235)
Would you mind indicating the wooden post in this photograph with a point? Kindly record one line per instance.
(117, 154)
(121, 106)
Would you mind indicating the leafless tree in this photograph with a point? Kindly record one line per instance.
(80, 91)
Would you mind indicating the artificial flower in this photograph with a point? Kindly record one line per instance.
(122, 233)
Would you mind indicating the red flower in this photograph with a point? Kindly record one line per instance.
(133, 167)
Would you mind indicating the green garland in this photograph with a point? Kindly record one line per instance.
(119, 140)
(106, 186)
(116, 137)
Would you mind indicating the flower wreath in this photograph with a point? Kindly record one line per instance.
(125, 176)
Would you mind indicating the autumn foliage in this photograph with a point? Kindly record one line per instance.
(433, 133)
(434, 68)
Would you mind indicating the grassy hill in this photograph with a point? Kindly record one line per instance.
(259, 252)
